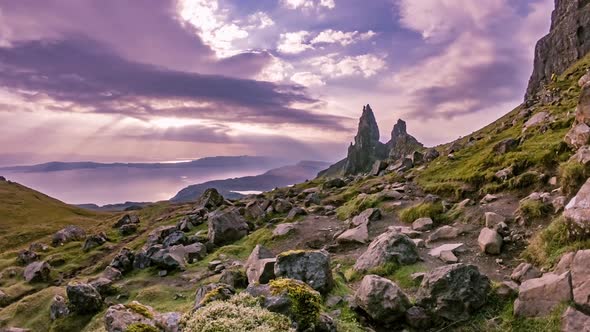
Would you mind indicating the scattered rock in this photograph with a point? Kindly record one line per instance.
(366, 217)
(448, 257)
(212, 292)
(37, 272)
(381, 299)
(126, 220)
(296, 212)
(311, 267)
(507, 289)
(505, 146)
(422, 224)
(168, 259)
(59, 308)
(120, 316)
(359, 234)
(226, 227)
(175, 238)
(284, 229)
(68, 234)
(577, 211)
(333, 183)
(93, 241)
(490, 241)
(492, 219)
(26, 257)
(564, 263)
(573, 320)
(524, 272)
(580, 270)
(453, 292)
(210, 200)
(488, 199)
(444, 233)
(578, 136)
(234, 277)
(123, 261)
(282, 206)
(260, 265)
(389, 247)
(83, 298)
(535, 120)
(539, 296)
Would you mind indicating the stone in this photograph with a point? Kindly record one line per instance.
(381, 299)
(564, 263)
(366, 217)
(84, 298)
(580, 270)
(159, 234)
(507, 289)
(296, 212)
(175, 238)
(284, 229)
(577, 211)
(104, 286)
(212, 292)
(505, 146)
(418, 318)
(378, 167)
(37, 272)
(538, 297)
(38, 246)
(260, 265)
(312, 199)
(93, 241)
(578, 136)
(558, 203)
(59, 308)
(453, 292)
(126, 220)
(119, 317)
(211, 199)
(112, 274)
(492, 219)
(535, 120)
(123, 261)
(389, 195)
(401, 143)
(524, 272)
(68, 234)
(234, 277)
(311, 267)
(504, 174)
(490, 242)
(359, 234)
(282, 206)
(420, 243)
(444, 233)
(168, 259)
(448, 257)
(226, 227)
(253, 211)
(333, 183)
(26, 257)
(488, 199)
(431, 154)
(169, 321)
(573, 320)
(422, 224)
(128, 229)
(389, 247)
(582, 156)
(194, 252)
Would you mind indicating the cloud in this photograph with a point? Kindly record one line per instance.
(260, 20)
(307, 79)
(294, 42)
(308, 4)
(343, 38)
(336, 66)
(57, 74)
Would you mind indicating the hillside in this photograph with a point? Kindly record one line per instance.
(27, 215)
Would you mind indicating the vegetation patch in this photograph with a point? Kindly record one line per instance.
(572, 176)
(140, 309)
(434, 211)
(533, 209)
(358, 205)
(141, 327)
(306, 302)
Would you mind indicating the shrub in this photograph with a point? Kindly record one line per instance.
(434, 211)
(572, 176)
(357, 205)
(305, 301)
(533, 209)
(241, 313)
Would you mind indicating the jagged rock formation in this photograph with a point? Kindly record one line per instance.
(366, 148)
(402, 143)
(567, 42)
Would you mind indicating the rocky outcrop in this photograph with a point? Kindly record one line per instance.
(68, 234)
(366, 148)
(577, 212)
(260, 265)
(381, 299)
(574, 320)
(389, 247)
(567, 42)
(402, 143)
(210, 199)
(539, 296)
(453, 292)
(226, 227)
(37, 272)
(84, 298)
(311, 267)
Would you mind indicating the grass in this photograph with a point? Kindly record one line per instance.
(532, 209)
(434, 211)
(357, 205)
(572, 176)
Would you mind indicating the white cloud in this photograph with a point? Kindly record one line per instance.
(276, 71)
(343, 38)
(308, 79)
(308, 4)
(334, 66)
(294, 42)
(213, 25)
(260, 20)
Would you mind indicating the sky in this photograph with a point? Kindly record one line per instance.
(147, 80)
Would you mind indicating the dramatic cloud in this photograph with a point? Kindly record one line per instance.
(294, 42)
(343, 38)
(307, 79)
(335, 66)
(308, 4)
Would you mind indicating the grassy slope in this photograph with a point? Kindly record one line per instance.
(27, 215)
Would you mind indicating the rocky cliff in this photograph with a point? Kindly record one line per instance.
(567, 42)
(402, 143)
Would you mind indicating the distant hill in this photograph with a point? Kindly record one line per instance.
(127, 206)
(278, 177)
(220, 161)
(27, 215)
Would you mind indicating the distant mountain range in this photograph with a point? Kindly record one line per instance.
(220, 161)
(278, 177)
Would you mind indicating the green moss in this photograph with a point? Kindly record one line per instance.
(140, 309)
(572, 176)
(435, 211)
(357, 205)
(306, 302)
(533, 209)
(525, 180)
(141, 327)
(348, 321)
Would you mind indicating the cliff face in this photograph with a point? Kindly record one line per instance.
(402, 143)
(567, 42)
(366, 148)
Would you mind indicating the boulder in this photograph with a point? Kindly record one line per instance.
(168, 259)
(211, 199)
(366, 217)
(123, 261)
(422, 224)
(175, 238)
(311, 267)
(564, 263)
(505, 146)
(359, 234)
(389, 247)
(333, 183)
(448, 257)
(431, 154)
(84, 298)
(312, 199)
(504, 174)
(253, 211)
(524, 272)
(535, 120)
(492, 219)
(126, 220)
(68, 234)
(453, 292)
(490, 241)
(159, 234)
(284, 229)
(234, 277)
(418, 318)
(260, 265)
(582, 156)
(574, 320)
(93, 241)
(580, 270)
(112, 274)
(577, 212)
(37, 272)
(212, 292)
(488, 199)
(59, 308)
(539, 296)
(381, 299)
(436, 252)
(578, 136)
(226, 227)
(120, 316)
(282, 206)
(444, 233)
(26, 257)
(194, 252)
(296, 212)
(128, 229)
(104, 286)
(507, 289)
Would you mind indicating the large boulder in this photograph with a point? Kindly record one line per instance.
(359, 234)
(84, 298)
(175, 238)
(445, 232)
(578, 136)
(524, 272)
(453, 292)
(422, 224)
(505, 146)
(123, 261)
(123, 317)
(168, 259)
(577, 212)
(126, 220)
(311, 267)
(381, 299)
(37, 272)
(159, 234)
(490, 241)
(212, 292)
(260, 265)
(389, 247)
(580, 269)
(539, 296)
(210, 200)
(68, 234)
(93, 241)
(574, 320)
(366, 217)
(226, 227)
